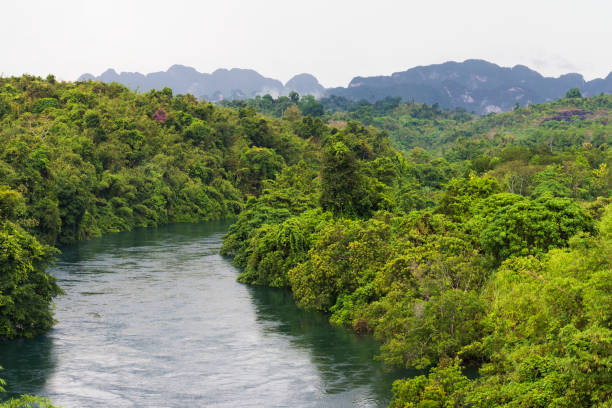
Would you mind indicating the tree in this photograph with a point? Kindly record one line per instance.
(530, 227)
(45, 103)
(462, 194)
(345, 256)
(294, 96)
(277, 248)
(25, 289)
(345, 189)
(550, 337)
(573, 93)
(310, 106)
(444, 387)
(258, 164)
(199, 133)
(310, 127)
(292, 113)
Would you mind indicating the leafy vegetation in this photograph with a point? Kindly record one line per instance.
(481, 242)
(488, 249)
(81, 159)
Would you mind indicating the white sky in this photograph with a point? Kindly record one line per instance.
(334, 40)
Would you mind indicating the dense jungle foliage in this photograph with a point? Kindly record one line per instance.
(457, 241)
(558, 125)
(492, 248)
(81, 159)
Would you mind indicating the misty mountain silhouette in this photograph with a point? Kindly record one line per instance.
(222, 84)
(475, 85)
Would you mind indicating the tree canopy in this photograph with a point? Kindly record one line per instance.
(457, 241)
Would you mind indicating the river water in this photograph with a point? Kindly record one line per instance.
(155, 318)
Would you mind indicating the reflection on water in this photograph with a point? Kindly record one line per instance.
(27, 364)
(154, 317)
(344, 360)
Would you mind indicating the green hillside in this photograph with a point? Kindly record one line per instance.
(81, 159)
(457, 241)
(486, 244)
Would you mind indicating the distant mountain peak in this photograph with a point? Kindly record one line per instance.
(304, 77)
(572, 76)
(180, 69)
(110, 71)
(220, 84)
(474, 84)
(305, 84)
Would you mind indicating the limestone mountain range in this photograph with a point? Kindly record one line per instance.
(475, 85)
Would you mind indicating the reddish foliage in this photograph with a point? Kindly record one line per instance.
(160, 115)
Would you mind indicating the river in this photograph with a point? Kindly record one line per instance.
(155, 318)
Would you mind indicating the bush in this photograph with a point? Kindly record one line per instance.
(44, 103)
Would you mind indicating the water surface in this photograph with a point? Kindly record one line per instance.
(155, 318)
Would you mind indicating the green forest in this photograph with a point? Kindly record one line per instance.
(489, 248)
(458, 241)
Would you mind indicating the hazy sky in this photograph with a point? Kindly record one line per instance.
(334, 40)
